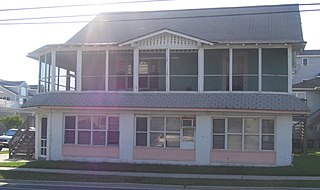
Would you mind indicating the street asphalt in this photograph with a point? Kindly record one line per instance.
(5, 158)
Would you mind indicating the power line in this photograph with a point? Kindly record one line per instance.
(80, 5)
(140, 19)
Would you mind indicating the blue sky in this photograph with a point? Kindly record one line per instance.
(16, 41)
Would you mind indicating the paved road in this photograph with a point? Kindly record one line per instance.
(51, 185)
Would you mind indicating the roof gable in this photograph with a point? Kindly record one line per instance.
(257, 24)
(165, 37)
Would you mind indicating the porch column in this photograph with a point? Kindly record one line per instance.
(79, 70)
(107, 71)
(203, 139)
(55, 134)
(230, 68)
(126, 137)
(260, 70)
(283, 140)
(290, 62)
(37, 137)
(136, 70)
(53, 71)
(200, 69)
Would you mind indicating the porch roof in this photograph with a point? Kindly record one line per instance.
(251, 102)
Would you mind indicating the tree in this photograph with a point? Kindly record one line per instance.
(11, 121)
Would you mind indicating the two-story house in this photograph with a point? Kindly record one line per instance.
(196, 87)
(12, 95)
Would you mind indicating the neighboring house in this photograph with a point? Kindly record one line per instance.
(196, 87)
(307, 66)
(309, 90)
(12, 95)
(306, 83)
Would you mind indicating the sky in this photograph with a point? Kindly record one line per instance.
(17, 40)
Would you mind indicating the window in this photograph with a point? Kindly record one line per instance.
(70, 128)
(152, 70)
(245, 134)
(96, 130)
(66, 67)
(300, 95)
(216, 70)
(113, 131)
(305, 61)
(275, 70)
(93, 70)
(164, 132)
(245, 70)
(23, 91)
(219, 133)
(120, 70)
(267, 134)
(141, 131)
(183, 70)
(45, 73)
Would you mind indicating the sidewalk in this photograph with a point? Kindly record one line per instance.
(165, 175)
(4, 158)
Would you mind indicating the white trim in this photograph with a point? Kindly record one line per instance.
(135, 70)
(200, 69)
(167, 70)
(230, 68)
(290, 65)
(130, 42)
(79, 70)
(260, 70)
(307, 56)
(53, 71)
(107, 72)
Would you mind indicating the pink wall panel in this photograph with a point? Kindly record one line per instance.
(90, 151)
(249, 157)
(165, 154)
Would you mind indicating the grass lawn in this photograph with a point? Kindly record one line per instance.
(4, 152)
(303, 165)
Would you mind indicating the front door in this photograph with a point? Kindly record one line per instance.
(43, 138)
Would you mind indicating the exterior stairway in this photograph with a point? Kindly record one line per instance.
(22, 144)
(298, 133)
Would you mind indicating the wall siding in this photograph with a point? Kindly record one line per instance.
(90, 151)
(243, 157)
(165, 154)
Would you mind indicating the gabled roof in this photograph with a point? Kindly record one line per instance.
(256, 24)
(312, 84)
(250, 102)
(11, 83)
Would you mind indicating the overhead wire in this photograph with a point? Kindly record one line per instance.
(5, 21)
(80, 5)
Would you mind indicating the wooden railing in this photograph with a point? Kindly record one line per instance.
(21, 132)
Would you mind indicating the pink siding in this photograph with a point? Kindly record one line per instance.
(244, 157)
(90, 151)
(165, 154)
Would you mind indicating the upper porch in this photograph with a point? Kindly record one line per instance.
(190, 66)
